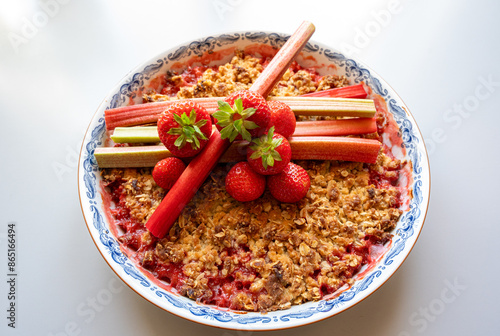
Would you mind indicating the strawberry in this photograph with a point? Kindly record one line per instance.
(243, 184)
(269, 154)
(291, 185)
(243, 114)
(167, 171)
(184, 135)
(282, 118)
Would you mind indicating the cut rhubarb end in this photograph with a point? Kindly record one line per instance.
(186, 186)
(282, 60)
(335, 148)
(353, 91)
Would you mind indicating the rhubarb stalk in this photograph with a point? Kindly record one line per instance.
(303, 148)
(353, 91)
(197, 171)
(282, 60)
(332, 107)
(320, 106)
(135, 134)
(186, 186)
(335, 148)
(339, 127)
(130, 157)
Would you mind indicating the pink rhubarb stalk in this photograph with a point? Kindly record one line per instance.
(282, 60)
(335, 148)
(353, 91)
(354, 126)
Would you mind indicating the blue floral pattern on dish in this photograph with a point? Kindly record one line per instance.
(356, 73)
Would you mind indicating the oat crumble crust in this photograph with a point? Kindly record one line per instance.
(239, 74)
(278, 254)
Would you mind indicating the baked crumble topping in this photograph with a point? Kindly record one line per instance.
(239, 74)
(261, 255)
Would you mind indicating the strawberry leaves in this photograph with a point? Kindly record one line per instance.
(233, 120)
(189, 130)
(265, 148)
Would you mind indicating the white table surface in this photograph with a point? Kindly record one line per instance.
(442, 57)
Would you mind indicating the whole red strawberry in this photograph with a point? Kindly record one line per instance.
(282, 118)
(244, 184)
(167, 171)
(184, 128)
(269, 154)
(291, 185)
(243, 114)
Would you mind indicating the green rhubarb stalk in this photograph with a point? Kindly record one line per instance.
(148, 156)
(339, 127)
(130, 157)
(145, 134)
(303, 148)
(333, 107)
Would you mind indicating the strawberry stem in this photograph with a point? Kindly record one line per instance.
(189, 130)
(233, 120)
(265, 148)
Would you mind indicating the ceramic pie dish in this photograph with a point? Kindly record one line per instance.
(327, 61)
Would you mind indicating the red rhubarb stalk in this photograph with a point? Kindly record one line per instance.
(320, 106)
(157, 106)
(353, 91)
(147, 113)
(354, 126)
(280, 63)
(335, 148)
(197, 171)
(186, 186)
